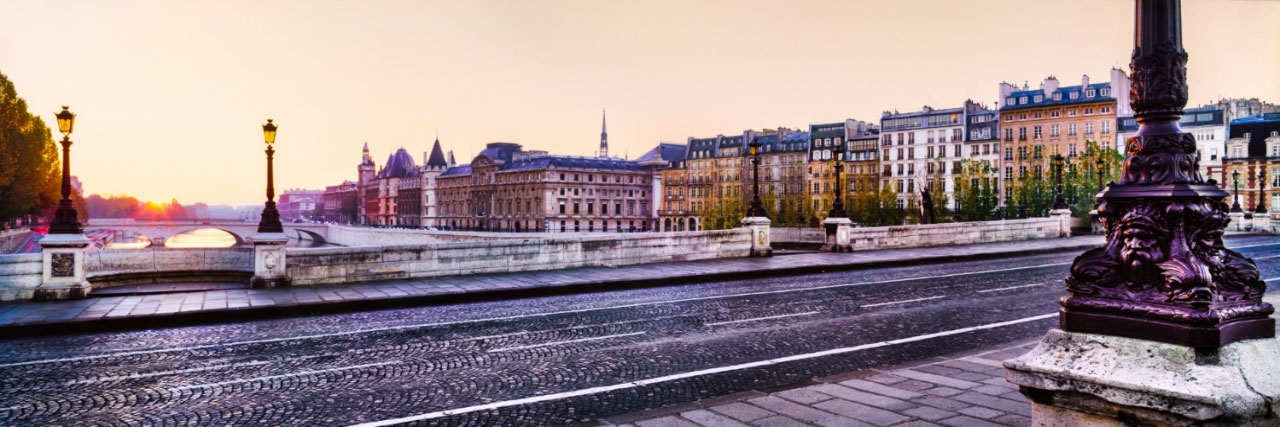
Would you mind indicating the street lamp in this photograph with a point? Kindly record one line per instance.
(1059, 202)
(837, 207)
(1235, 200)
(756, 209)
(1262, 192)
(270, 222)
(64, 219)
(1102, 166)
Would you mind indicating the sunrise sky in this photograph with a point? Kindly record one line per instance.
(171, 95)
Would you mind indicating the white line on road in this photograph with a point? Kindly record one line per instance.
(1266, 257)
(156, 374)
(1011, 287)
(1254, 246)
(762, 318)
(546, 344)
(295, 374)
(493, 319)
(1273, 278)
(634, 384)
(902, 302)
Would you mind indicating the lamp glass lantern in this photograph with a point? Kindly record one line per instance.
(269, 132)
(66, 119)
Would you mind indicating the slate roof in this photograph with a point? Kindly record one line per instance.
(571, 162)
(665, 151)
(456, 171)
(399, 164)
(1048, 100)
(793, 142)
(436, 159)
(1259, 129)
(500, 151)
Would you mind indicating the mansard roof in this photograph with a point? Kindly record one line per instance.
(665, 151)
(1064, 91)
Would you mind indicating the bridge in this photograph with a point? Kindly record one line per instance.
(160, 231)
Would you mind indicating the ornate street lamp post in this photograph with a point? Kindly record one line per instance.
(1262, 192)
(837, 207)
(1102, 166)
(1059, 202)
(1162, 325)
(1235, 200)
(757, 208)
(64, 219)
(270, 222)
(1164, 274)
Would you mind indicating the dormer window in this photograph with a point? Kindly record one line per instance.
(1039, 98)
(1057, 97)
(1091, 93)
(1022, 100)
(1106, 91)
(1075, 94)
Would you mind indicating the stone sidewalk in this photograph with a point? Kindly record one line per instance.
(966, 389)
(31, 318)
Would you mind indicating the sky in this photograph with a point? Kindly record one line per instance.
(170, 96)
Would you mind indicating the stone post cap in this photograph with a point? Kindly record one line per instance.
(752, 220)
(64, 240)
(269, 238)
(840, 220)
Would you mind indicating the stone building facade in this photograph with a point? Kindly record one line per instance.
(1254, 147)
(1209, 126)
(921, 149)
(505, 188)
(783, 166)
(340, 203)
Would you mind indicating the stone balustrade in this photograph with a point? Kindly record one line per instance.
(945, 234)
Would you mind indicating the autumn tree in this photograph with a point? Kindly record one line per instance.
(30, 178)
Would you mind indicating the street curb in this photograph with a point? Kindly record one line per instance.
(240, 314)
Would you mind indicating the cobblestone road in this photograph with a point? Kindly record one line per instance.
(552, 360)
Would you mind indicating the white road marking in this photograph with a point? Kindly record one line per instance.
(547, 344)
(634, 384)
(493, 319)
(762, 318)
(156, 374)
(1266, 257)
(1254, 246)
(272, 377)
(902, 302)
(1011, 287)
(1273, 278)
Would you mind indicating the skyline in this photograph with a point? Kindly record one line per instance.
(538, 74)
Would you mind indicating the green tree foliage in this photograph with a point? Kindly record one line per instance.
(1080, 179)
(727, 213)
(30, 177)
(870, 207)
(1032, 197)
(976, 192)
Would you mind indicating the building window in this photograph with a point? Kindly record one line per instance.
(562, 207)
(1088, 128)
(1091, 93)
(1071, 129)
(1008, 153)
(1106, 91)
(1106, 128)
(1039, 134)
(1022, 134)
(1053, 131)
(1022, 100)
(1039, 98)
(1008, 134)
(1057, 97)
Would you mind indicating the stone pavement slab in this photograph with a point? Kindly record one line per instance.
(209, 304)
(876, 397)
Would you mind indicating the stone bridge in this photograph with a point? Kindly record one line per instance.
(160, 231)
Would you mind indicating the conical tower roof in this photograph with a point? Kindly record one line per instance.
(436, 159)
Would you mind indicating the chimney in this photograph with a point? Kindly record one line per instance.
(1006, 89)
(1084, 83)
(1049, 86)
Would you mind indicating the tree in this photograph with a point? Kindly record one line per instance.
(1080, 179)
(112, 207)
(976, 192)
(30, 178)
(1032, 197)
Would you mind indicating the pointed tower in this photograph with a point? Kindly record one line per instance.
(365, 173)
(435, 160)
(452, 162)
(604, 136)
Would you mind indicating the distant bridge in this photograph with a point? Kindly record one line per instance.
(160, 231)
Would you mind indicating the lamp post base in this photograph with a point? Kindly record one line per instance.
(839, 230)
(761, 245)
(63, 264)
(1237, 222)
(1064, 221)
(1090, 379)
(269, 261)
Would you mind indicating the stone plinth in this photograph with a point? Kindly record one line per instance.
(1064, 221)
(268, 260)
(760, 242)
(1261, 222)
(1091, 379)
(63, 267)
(1237, 222)
(1096, 223)
(838, 235)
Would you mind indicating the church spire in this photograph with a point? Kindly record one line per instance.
(604, 136)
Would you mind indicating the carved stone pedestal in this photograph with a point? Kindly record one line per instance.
(838, 235)
(1103, 380)
(268, 261)
(63, 276)
(760, 243)
(1064, 221)
(1237, 222)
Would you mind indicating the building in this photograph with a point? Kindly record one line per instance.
(297, 204)
(1239, 108)
(702, 176)
(921, 149)
(505, 188)
(434, 165)
(730, 167)
(982, 145)
(1039, 123)
(658, 161)
(379, 193)
(783, 167)
(1209, 126)
(340, 203)
(366, 191)
(826, 142)
(674, 213)
(408, 203)
(1254, 147)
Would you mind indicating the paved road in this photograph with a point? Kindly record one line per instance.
(549, 360)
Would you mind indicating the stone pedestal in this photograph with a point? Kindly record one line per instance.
(64, 276)
(1102, 380)
(268, 260)
(838, 235)
(1261, 222)
(1096, 222)
(760, 243)
(1064, 221)
(1237, 222)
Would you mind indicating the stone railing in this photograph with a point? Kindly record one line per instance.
(19, 276)
(308, 266)
(9, 239)
(908, 236)
(158, 259)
